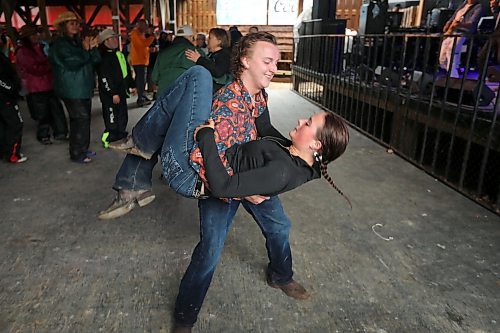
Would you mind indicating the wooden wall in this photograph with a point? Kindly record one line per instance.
(200, 14)
(349, 10)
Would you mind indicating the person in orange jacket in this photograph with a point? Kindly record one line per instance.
(140, 39)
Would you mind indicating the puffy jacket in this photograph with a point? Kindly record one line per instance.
(139, 48)
(73, 68)
(9, 81)
(34, 68)
(171, 63)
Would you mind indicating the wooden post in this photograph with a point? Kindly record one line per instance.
(147, 10)
(115, 17)
(43, 17)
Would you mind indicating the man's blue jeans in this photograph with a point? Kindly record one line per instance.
(167, 129)
(216, 217)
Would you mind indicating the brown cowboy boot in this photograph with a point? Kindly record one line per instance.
(291, 289)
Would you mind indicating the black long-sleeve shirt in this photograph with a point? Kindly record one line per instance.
(262, 166)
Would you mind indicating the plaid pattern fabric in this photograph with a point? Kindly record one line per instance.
(234, 114)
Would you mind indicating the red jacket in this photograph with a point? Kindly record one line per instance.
(34, 68)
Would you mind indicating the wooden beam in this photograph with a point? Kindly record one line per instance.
(7, 9)
(94, 14)
(43, 17)
(137, 17)
(146, 9)
(115, 17)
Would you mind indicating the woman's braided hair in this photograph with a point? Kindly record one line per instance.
(244, 48)
(334, 137)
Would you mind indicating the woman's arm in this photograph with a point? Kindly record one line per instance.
(269, 179)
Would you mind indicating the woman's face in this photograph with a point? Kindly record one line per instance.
(72, 28)
(260, 65)
(304, 135)
(213, 43)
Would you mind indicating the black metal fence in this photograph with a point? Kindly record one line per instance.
(391, 88)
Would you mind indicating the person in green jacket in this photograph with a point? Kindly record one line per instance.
(73, 61)
(172, 62)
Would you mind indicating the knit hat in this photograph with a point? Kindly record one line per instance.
(27, 30)
(105, 34)
(64, 17)
(184, 30)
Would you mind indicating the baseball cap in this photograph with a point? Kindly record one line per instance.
(184, 30)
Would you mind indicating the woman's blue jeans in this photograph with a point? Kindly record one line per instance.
(216, 216)
(167, 129)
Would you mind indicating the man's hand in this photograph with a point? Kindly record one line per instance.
(133, 91)
(116, 99)
(210, 123)
(192, 55)
(256, 199)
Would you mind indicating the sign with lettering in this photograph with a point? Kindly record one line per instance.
(241, 12)
(282, 12)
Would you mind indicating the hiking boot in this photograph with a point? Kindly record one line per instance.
(292, 289)
(143, 103)
(125, 201)
(104, 139)
(18, 159)
(128, 146)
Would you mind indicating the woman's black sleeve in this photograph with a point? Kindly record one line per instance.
(269, 179)
(219, 67)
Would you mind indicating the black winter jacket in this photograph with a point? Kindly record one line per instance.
(10, 85)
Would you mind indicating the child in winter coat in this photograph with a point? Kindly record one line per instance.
(114, 82)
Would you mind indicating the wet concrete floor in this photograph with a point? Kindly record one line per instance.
(411, 256)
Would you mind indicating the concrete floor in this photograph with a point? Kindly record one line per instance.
(411, 256)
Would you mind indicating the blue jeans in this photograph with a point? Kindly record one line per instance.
(167, 130)
(216, 217)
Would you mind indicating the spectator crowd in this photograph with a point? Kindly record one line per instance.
(58, 74)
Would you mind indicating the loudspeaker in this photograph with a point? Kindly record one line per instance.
(493, 73)
(389, 78)
(324, 9)
(372, 18)
(470, 91)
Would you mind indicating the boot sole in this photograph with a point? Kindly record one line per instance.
(120, 211)
(146, 201)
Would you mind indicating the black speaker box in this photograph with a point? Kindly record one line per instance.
(324, 9)
(373, 18)
(470, 93)
(493, 73)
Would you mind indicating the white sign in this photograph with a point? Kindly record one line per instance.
(282, 12)
(241, 12)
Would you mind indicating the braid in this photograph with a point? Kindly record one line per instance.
(324, 173)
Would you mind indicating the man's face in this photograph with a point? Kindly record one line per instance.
(261, 64)
(200, 40)
(142, 26)
(494, 5)
(111, 42)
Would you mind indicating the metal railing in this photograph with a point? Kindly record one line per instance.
(391, 88)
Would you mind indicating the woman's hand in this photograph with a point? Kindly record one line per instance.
(210, 123)
(94, 42)
(86, 43)
(192, 55)
(116, 99)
